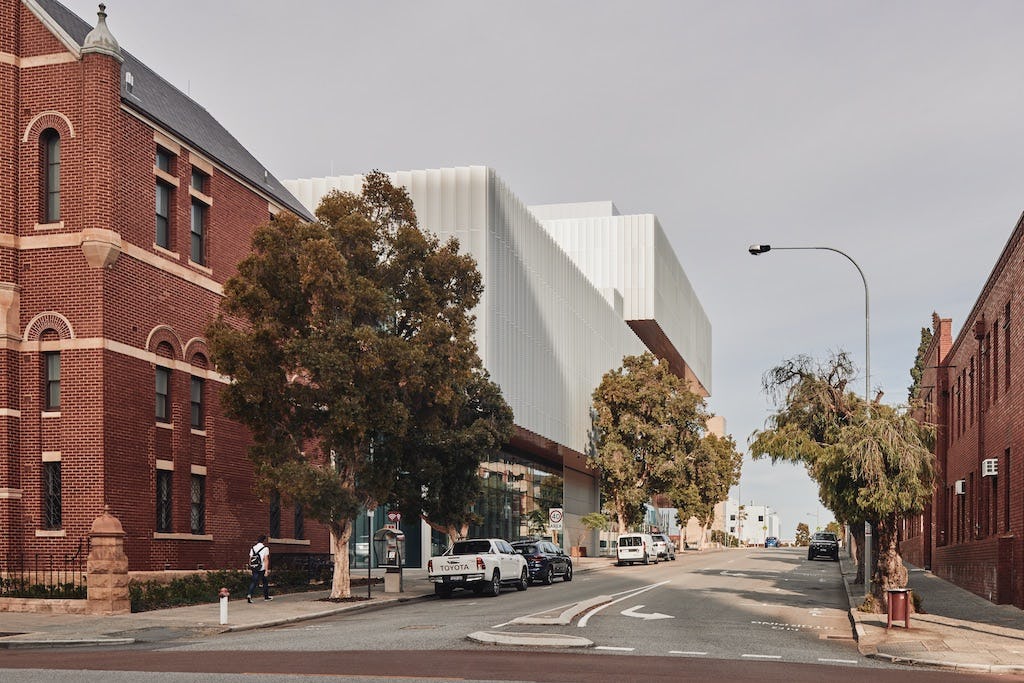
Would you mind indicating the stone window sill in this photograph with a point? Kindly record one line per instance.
(289, 541)
(50, 533)
(198, 432)
(50, 413)
(158, 536)
(165, 425)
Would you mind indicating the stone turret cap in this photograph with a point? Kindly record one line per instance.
(100, 40)
(106, 524)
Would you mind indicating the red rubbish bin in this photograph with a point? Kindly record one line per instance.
(899, 606)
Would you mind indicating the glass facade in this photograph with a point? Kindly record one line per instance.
(517, 494)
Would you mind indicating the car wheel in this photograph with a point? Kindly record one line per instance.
(548, 576)
(495, 586)
(567, 576)
(478, 589)
(619, 563)
(442, 591)
(524, 580)
(810, 556)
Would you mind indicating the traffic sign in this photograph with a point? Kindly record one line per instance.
(394, 516)
(555, 519)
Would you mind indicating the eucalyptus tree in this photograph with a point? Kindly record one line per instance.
(645, 419)
(870, 464)
(343, 338)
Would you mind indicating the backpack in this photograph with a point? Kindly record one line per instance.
(255, 561)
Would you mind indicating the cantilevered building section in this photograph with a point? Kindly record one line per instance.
(548, 329)
(632, 255)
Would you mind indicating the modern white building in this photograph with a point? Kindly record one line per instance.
(548, 327)
(751, 523)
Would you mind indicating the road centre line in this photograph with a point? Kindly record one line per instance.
(617, 649)
(632, 593)
(685, 652)
(763, 656)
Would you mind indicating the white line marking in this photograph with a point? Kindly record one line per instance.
(763, 656)
(633, 593)
(617, 649)
(837, 661)
(685, 652)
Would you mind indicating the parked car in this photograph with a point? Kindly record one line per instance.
(664, 547)
(634, 548)
(823, 543)
(478, 564)
(545, 560)
(771, 542)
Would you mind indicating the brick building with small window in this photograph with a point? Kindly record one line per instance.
(972, 532)
(124, 208)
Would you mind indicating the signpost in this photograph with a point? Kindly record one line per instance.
(555, 521)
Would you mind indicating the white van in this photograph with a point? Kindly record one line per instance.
(635, 548)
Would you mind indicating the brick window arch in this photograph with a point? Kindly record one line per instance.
(49, 176)
(51, 323)
(164, 334)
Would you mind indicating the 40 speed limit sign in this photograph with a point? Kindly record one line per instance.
(555, 519)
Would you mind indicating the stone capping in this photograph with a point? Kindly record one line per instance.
(44, 605)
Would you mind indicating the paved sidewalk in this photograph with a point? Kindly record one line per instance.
(958, 630)
(197, 621)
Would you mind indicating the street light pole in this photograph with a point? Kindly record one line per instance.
(756, 249)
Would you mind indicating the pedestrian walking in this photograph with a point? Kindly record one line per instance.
(259, 563)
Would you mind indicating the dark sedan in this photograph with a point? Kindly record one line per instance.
(545, 561)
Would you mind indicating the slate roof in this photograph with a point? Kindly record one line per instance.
(161, 102)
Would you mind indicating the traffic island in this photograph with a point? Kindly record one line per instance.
(529, 639)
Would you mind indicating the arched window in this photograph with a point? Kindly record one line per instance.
(49, 176)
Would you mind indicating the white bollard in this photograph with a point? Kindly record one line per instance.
(224, 606)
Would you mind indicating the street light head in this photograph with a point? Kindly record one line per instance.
(756, 249)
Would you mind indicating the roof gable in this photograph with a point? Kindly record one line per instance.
(161, 102)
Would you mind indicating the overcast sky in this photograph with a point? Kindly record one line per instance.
(888, 130)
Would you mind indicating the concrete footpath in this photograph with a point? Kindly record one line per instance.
(22, 630)
(958, 630)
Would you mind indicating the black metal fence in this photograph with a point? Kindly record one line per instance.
(44, 575)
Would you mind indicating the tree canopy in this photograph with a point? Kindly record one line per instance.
(703, 480)
(871, 463)
(646, 421)
(917, 371)
(349, 343)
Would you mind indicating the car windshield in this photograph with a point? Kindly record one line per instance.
(824, 536)
(471, 547)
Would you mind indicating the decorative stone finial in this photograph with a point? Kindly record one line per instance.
(100, 40)
(106, 524)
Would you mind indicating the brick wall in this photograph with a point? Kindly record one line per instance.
(978, 406)
(106, 432)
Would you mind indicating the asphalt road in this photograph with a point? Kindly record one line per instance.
(749, 614)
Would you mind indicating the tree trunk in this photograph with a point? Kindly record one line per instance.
(703, 533)
(857, 536)
(341, 532)
(889, 571)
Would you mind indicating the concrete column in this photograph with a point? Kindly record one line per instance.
(107, 568)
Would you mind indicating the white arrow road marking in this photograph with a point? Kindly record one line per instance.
(632, 612)
(738, 574)
(629, 594)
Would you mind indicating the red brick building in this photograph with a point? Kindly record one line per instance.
(972, 532)
(124, 207)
